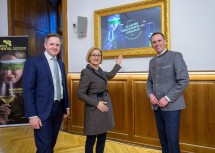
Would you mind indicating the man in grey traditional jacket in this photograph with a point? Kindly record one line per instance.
(168, 77)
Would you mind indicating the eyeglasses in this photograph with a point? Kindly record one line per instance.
(96, 55)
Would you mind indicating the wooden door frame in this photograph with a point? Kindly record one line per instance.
(65, 34)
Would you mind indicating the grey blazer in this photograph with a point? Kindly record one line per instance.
(168, 76)
(92, 89)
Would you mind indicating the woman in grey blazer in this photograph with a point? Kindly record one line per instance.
(98, 113)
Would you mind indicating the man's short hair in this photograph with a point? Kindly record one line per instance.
(157, 33)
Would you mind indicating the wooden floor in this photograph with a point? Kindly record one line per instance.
(20, 140)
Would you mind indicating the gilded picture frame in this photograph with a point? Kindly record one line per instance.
(136, 22)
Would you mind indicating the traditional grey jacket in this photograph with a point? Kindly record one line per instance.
(92, 89)
(168, 76)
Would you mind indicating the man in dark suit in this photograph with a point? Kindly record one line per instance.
(45, 94)
(168, 77)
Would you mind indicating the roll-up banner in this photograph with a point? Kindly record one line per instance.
(13, 54)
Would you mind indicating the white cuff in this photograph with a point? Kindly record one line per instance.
(167, 98)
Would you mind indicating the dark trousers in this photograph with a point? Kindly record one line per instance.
(168, 123)
(91, 139)
(46, 136)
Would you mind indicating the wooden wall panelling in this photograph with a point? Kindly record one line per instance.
(118, 91)
(76, 120)
(134, 117)
(77, 109)
(198, 121)
(145, 130)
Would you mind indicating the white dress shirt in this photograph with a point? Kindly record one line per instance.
(51, 65)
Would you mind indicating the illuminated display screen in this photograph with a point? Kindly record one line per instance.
(130, 29)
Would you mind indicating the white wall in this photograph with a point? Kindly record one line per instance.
(3, 18)
(191, 29)
(192, 32)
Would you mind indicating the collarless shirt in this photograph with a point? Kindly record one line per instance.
(51, 65)
(162, 52)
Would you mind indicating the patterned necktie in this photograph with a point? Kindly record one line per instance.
(57, 79)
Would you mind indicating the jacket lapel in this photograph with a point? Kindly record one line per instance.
(99, 73)
(45, 64)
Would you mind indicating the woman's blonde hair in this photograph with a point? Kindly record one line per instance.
(90, 51)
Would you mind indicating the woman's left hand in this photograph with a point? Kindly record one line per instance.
(119, 59)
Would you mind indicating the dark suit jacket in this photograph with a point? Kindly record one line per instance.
(38, 88)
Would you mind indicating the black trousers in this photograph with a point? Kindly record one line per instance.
(90, 141)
